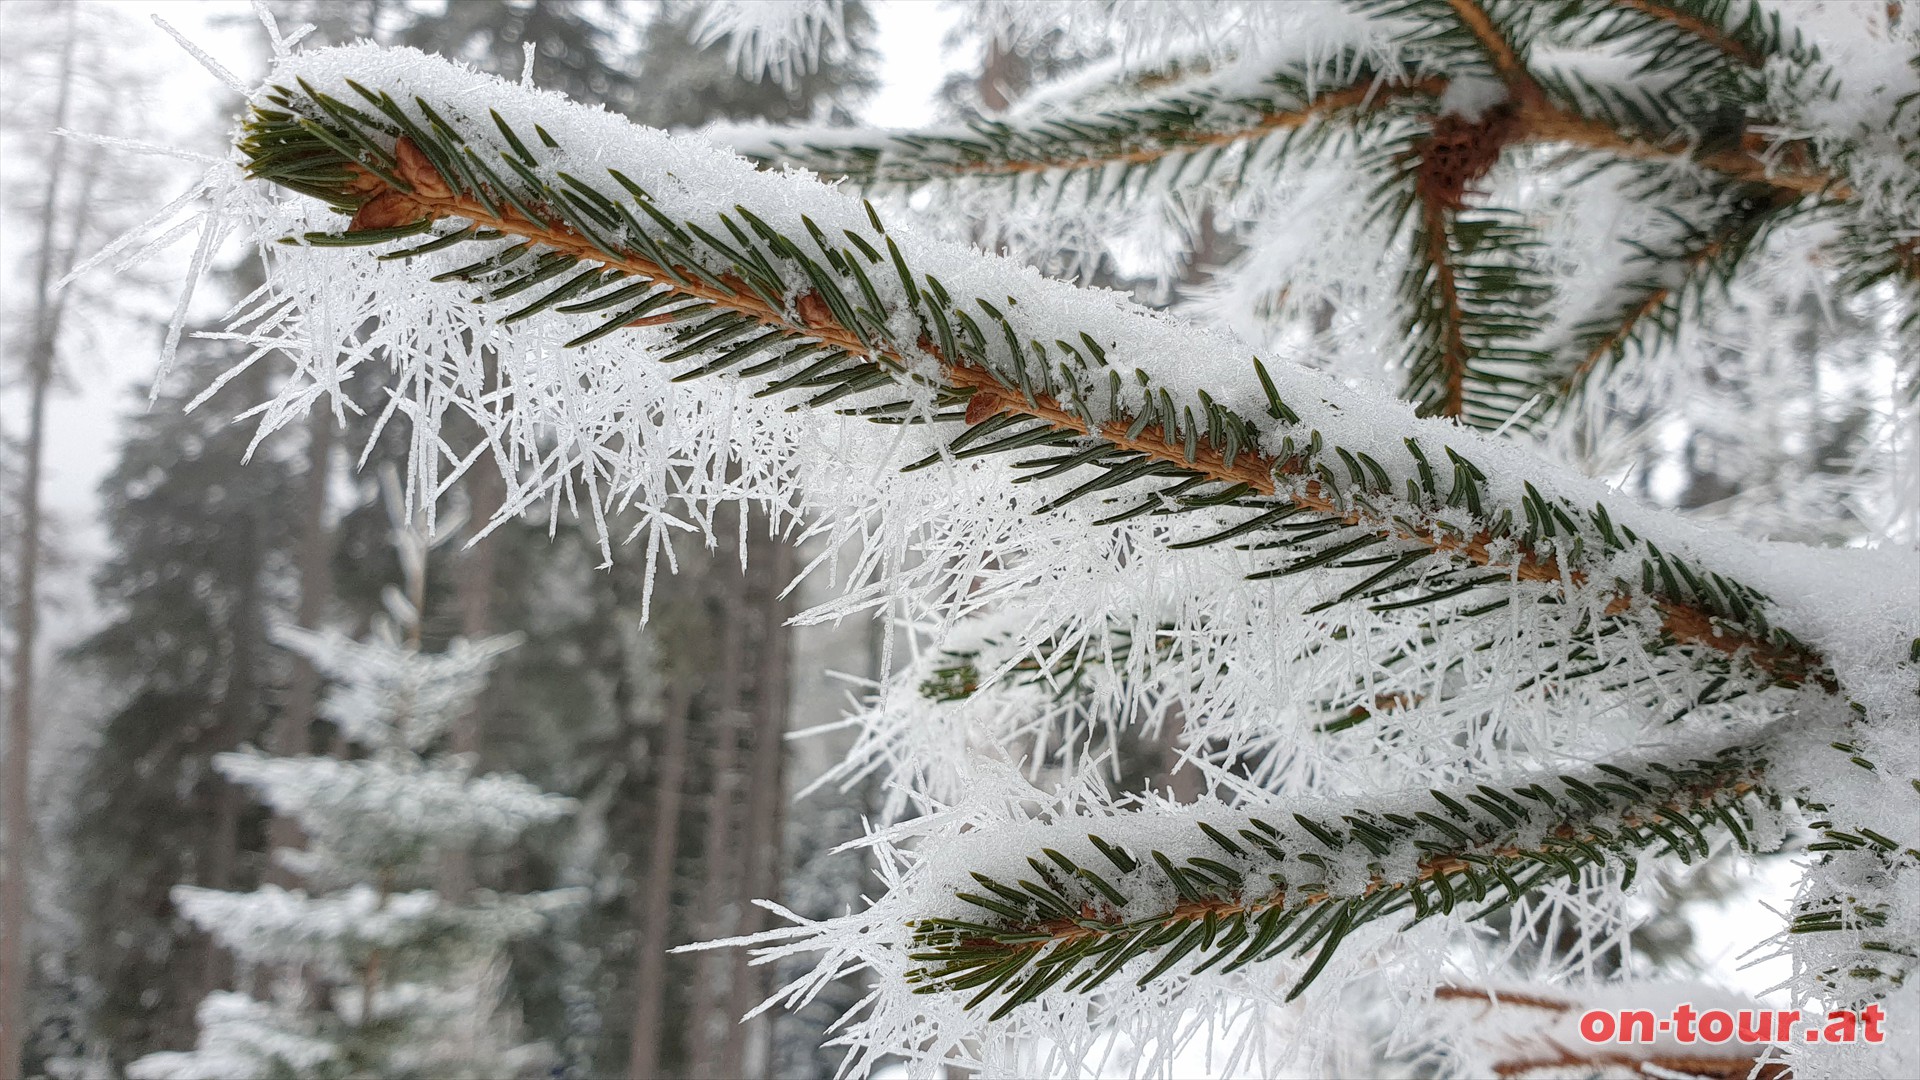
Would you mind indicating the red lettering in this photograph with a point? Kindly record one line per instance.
(1870, 1018)
(1716, 1025)
(1683, 1023)
(1636, 1026)
(1840, 1026)
(1596, 1025)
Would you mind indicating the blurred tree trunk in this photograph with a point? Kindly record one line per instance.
(314, 562)
(473, 588)
(656, 887)
(242, 704)
(51, 263)
(1003, 73)
(723, 878)
(770, 564)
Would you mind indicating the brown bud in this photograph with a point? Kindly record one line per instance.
(363, 182)
(981, 405)
(813, 309)
(1458, 152)
(418, 172)
(386, 210)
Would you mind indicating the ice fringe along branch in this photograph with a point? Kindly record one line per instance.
(1263, 890)
(844, 319)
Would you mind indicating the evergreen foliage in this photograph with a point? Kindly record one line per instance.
(1438, 608)
(370, 969)
(196, 578)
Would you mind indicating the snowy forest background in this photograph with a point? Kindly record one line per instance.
(161, 600)
(156, 655)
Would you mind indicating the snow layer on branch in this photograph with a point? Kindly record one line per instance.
(380, 814)
(242, 1039)
(340, 930)
(389, 696)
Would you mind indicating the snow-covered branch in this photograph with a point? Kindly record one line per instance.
(1093, 518)
(1035, 365)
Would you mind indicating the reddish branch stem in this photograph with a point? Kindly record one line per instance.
(1067, 931)
(432, 198)
(1700, 28)
(1537, 120)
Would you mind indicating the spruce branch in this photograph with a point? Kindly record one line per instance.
(1189, 126)
(1263, 889)
(1653, 307)
(1499, 48)
(1121, 140)
(1693, 24)
(1453, 38)
(1694, 105)
(817, 323)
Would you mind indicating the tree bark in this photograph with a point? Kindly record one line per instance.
(241, 707)
(17, 810)
(314, 561)
(656, 888)
(719, 890)
(770, 565)
(473, 588)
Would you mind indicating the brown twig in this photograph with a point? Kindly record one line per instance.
(1500, 51)
(1543, 122)
(1501, 998)
(1453, 343)
(433, 198)
(1614, 337)
(1369, 92)
(1700, 28)
(1094, 922)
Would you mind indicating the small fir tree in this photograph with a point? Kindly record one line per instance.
(367, 969)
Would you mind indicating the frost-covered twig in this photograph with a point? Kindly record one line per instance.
(758, 303)
(1243, 890)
